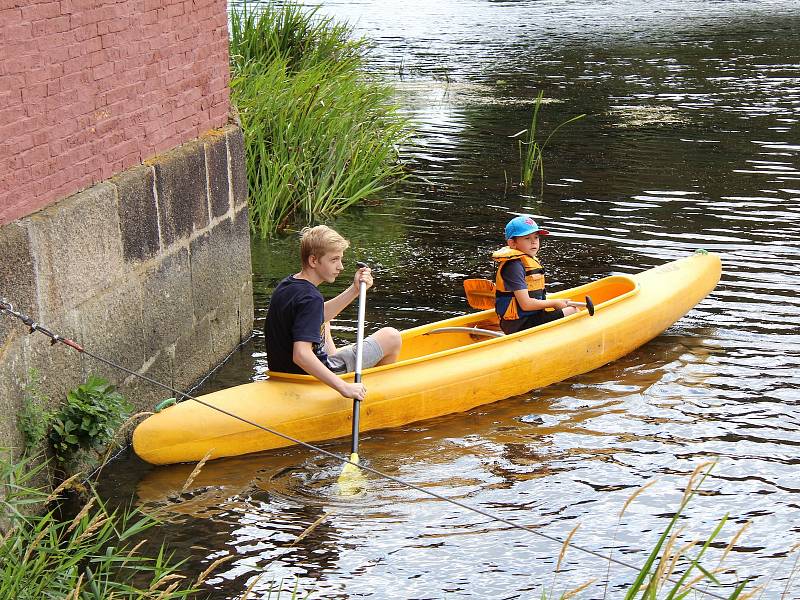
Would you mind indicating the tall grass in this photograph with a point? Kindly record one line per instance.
(531, 150)
(658, 578)
(673, 569)
(320, 133)
(90, 556)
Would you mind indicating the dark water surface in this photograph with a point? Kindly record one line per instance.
(691, 140)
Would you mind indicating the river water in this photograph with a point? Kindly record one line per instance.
(690, 141)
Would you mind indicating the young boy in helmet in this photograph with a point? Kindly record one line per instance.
(297, 328)
(520, 299)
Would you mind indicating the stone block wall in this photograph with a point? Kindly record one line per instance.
(149, 269)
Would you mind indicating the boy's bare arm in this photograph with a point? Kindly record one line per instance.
(525, 302)
(336, 305)
(304, 357)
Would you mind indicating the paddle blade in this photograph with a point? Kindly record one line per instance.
(480, 293)
(590, 306)
(352, 480)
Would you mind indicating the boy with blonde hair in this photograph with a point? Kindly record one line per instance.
(297, 327)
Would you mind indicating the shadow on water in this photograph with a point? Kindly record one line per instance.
(690, 141)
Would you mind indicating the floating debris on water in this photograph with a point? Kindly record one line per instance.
(643, 116)
(466, 93)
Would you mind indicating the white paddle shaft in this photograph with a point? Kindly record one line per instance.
(362, 306)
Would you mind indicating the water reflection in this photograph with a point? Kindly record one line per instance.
(691, 141)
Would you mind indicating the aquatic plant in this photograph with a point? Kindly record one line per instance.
(321, 133)
(34, 418)
(88, 556)
(531, 151)
(672, 570)
(88, 419)
(657, 577)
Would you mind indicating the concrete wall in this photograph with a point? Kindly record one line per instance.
(150, 269)
(89, 88)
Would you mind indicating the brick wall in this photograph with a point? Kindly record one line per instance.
(89, 88)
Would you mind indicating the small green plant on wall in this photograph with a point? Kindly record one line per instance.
(88, 420)
(34, 418)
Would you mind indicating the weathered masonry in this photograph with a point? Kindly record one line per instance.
(123, 195)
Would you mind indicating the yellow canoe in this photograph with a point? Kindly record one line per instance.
(443, 368)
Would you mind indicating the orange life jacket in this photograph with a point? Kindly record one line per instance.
(505, 303)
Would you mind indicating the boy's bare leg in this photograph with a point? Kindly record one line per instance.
(390, 341)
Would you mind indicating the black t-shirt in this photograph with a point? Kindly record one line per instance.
(296, 314)
(513, 274)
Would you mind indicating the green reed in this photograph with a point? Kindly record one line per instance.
(321, 133)
(531, 151)
(90, 556)
(657, 577)
(674, 569)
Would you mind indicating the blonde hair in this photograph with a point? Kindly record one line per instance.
(320, 240)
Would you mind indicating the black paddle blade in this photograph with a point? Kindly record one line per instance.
(590, 306)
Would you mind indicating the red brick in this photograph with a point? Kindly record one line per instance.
(57, 101)
(21, 63)
(22, 144)
(37, 76)
(58, 52)
(34, 155)
(77, 64)
(92, 45)
(87, 32)
(78, 6)
(102, 70)
(38, 29)
(17, 32)
(33, 92)
(121, 149)
(58, 148)
(33, 107)
(99, 58)
(53, 87)
(55, 70)
(13, 129)
(10, 16)
(43, 169)
(42, 10)
(106, 127)
(12, 82)
(174, 9)
(57, 25)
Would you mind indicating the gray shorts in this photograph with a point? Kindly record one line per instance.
(344, 361)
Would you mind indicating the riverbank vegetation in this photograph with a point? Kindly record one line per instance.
(80, 428)
(91, 555)
(675, 568)
(321, 133)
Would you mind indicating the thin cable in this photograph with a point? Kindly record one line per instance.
(6, 307)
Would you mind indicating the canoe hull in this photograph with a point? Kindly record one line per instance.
(444, 382)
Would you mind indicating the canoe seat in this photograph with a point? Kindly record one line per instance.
(491, 324)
